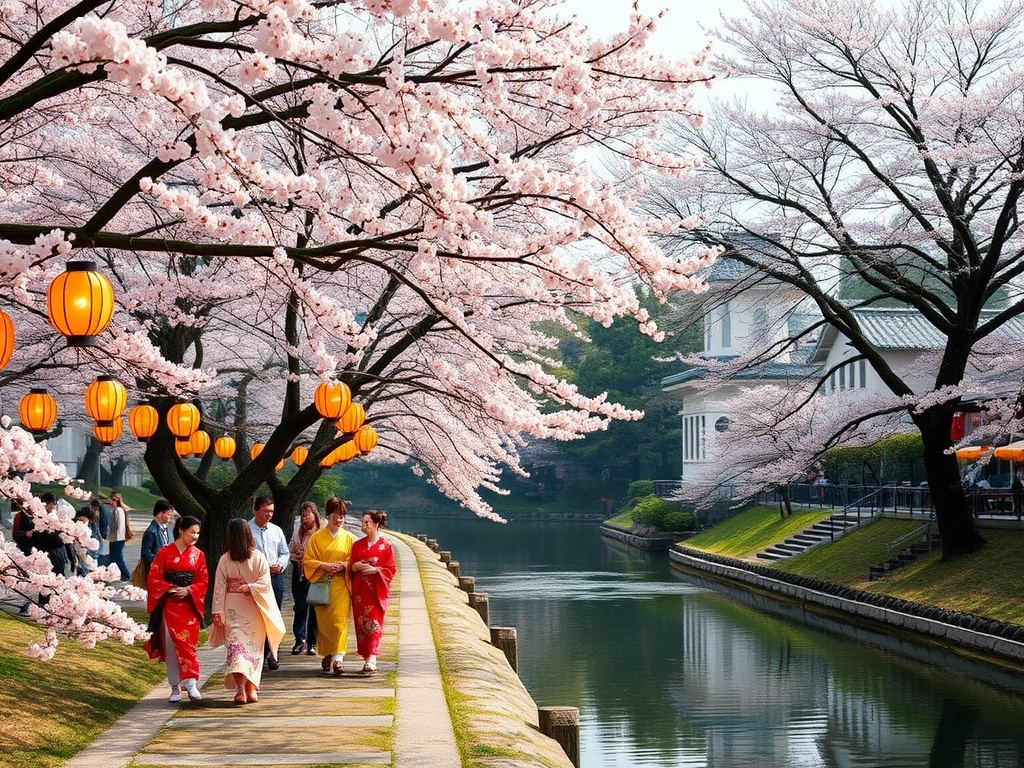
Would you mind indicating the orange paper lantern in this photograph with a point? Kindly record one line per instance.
(224, 447)
(80, 303)
(299, 454)
(142, 421)
(107, 434)
(105, 400)
(331, 400)
(38, 411)
(183, 420)
(200, 442)
(365, 439)
(256, 450)
(6, 339)
(183, 447)
(352, 419)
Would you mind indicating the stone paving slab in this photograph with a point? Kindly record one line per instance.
(283, 721)
(321, 758)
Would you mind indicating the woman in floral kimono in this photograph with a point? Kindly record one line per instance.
(245, 612)
(372, 568)
(327, 557)
(177, 590)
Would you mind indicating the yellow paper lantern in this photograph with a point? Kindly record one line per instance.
(107, 434)
(183, 420)
(200, 442)
(38, 411)
(352, 419)
(365, 439)
(105, 400)
(299, 454)
(971, 452)
(183, 447)
(80, 303)
(331, 400)
(142, 421)
(256, 450)
(224, 447)
(6, 339)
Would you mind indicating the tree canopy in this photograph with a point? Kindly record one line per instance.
(891, 161)
(388, 193)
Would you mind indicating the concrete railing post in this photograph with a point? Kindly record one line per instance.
(479, 602)
(453, 568)
(432, 544)
(467, 583)
(446, 556)
(505, 640)
(563, 725)
(421, 537)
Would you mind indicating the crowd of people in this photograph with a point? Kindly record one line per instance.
(335, 578)
(248, 592)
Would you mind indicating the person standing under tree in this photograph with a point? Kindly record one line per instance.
(271, 541)
(372, 566)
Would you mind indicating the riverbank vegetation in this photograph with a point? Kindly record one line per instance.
(54, 709)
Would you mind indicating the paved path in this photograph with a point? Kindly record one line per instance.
(304, 717)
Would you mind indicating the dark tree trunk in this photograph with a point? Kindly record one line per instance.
(785, 507)
(87, 469)
(960, 534)
(117, 470)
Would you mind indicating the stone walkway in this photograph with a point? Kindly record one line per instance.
(398, 717)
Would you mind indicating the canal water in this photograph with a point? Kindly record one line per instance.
(669, 670)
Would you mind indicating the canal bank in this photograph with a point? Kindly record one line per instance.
(992, 641)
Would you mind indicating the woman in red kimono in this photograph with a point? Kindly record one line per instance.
(372, 565)
(177, 590)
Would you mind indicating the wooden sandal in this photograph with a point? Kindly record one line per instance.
(337, 669)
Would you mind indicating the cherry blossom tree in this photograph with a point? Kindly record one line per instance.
(889, 173)
(390, 193)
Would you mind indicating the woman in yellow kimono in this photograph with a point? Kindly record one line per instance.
(327, 556)
(245, 612)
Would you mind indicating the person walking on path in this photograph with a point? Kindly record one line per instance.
(271, 541)
(327, 557)
(245, 613)
(157, 535)
(304, 619)
(177, 592)
(120, 532)
(372, 566)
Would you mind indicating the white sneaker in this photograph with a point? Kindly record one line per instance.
(191, 690)
(175, 696)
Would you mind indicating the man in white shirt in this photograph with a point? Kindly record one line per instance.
(271, 541)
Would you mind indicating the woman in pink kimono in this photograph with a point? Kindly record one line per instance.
(245, 612)
(372, 566)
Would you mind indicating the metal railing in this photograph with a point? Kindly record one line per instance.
(900, 541)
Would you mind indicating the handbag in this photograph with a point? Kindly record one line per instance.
(140, 574)
(319, 592)
(128, 534)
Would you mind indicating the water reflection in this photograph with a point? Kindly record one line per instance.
(668, 670)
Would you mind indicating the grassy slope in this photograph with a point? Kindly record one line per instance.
(51, 710)
(982, 583)
(754, 529)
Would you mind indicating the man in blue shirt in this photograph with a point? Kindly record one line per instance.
(157, 535)
(271, 541)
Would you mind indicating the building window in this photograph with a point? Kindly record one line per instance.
(722, 425)
(863, 373)
(842, 377)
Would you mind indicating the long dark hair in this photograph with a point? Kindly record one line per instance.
(184, 523)
(240, 541)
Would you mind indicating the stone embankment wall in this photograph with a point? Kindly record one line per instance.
(964, 631)
(494, 716)
(657, 542)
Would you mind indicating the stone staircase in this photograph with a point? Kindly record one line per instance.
(824, 530)
(924, 542)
